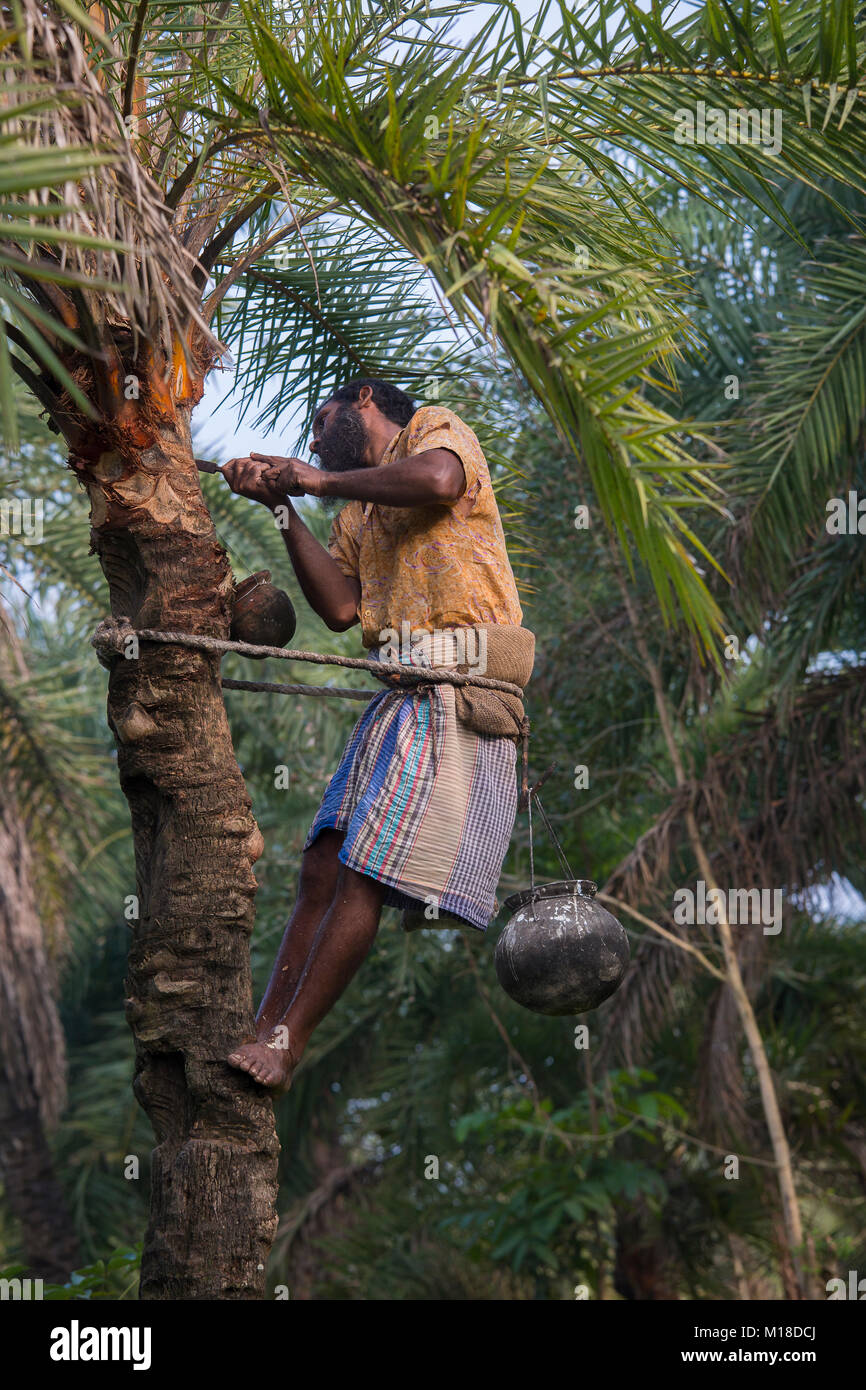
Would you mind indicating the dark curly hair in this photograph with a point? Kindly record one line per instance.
(392, 402)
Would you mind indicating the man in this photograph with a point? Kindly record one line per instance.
(420, 812)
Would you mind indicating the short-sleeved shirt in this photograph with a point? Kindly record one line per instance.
(436, 566)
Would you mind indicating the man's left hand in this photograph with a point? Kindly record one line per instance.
(291, 476)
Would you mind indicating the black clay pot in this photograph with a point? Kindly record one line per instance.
(263, 615)
(561, 952)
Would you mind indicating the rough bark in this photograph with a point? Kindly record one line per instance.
(32, 1059)
(189, 990)
(643, 1270)
(33, 1192)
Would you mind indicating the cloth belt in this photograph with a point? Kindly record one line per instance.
(500, 651)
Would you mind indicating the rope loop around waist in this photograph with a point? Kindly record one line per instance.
(112, 635)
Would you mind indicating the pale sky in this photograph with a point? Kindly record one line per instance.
(219, 434)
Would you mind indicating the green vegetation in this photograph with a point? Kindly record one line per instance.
(700, 386)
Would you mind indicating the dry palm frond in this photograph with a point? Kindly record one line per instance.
(808, 778)
(808, 782)
(32, 1046)
(721, 1100)
(86, 243)
(809, 785)
(642, 1006)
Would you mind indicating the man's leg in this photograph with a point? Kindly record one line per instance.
(320, 869)
(341, 944)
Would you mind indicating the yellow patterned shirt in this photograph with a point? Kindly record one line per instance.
(439, 566)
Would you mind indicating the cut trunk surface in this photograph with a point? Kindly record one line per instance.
(189, 989)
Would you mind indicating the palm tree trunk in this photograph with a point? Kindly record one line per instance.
(32, 1058)
(189, 989)
(32, 1190)
(794, 1249)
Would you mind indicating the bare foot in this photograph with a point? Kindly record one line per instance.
(270, 1062)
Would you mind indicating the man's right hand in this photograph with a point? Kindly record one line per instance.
(245, 476)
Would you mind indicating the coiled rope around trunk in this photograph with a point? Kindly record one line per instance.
(112, 635)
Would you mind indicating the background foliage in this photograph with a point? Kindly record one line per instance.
(438, 1142)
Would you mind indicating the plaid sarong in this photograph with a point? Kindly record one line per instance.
(427, 805)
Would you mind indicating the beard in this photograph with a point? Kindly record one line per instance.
(345, 442)
(342, 448)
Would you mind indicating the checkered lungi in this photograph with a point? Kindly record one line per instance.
(427, 805)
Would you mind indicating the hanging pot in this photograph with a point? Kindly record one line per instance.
(561, 952)
(263, 614)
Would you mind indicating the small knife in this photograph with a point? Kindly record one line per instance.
(208, 466)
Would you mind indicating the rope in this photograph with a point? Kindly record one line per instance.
(343, 691)
(112, 633)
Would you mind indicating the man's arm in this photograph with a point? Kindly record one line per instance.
(436, 475)
(328, 591)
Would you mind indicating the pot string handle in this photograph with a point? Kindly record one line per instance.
(553, 835)
(531, 853)
(526, 795)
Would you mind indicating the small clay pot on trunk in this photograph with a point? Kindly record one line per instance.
(263, 615)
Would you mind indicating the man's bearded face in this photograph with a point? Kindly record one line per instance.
(344, 441)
